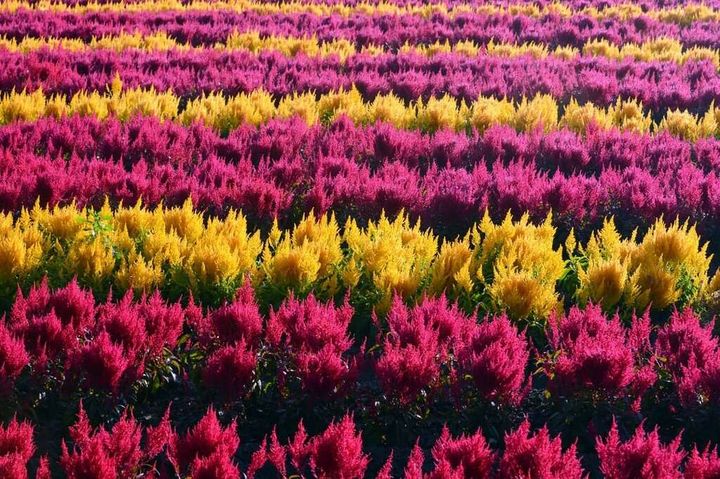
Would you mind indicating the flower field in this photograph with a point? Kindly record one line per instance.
(343, 239)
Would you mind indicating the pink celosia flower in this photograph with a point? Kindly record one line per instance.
(537, 457)
(496, 357)
(13, 357)
(325, 372)
(205, 439)
(337, 452)
(591, 352)
(236, 320)
(230, 369)
(101, 362)
(310, 324)
(466, 457)
(702, 465)
(642, 456)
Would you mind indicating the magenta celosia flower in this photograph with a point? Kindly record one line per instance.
(46, 339)
(230, 369)
(73, 306)
(13, 356)
(325, 372)
(157, 437)
(337, 452)
(92, 462)
(216, 465)
(435, 314)
(702, 465)
(205, 439)
(43, 469)
(17, 439)
(258, 459)
(163, 323)
(414, 467)
(16, 449)
(100, 362)
(236, 320)
(537, 456)
(591, 352)
(103, 453)
(124, 325)
(642, 456)
(385, 471)
(496, 356)
(310, 325)
(684, 338)
(403, 371)
(466, 457)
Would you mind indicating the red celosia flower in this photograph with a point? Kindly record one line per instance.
(91, 462)
(450, 324)
(43, 470)
(403, 371)
(16, 449)
(101, 362)
(385, 471)
(230, 369)
(298, 448)
(118, 450)
(158, 436)
(310, 325)
(277, 454)
(45, 338)
(496, 356)
(642, 456)
(592, 352)
(337, 452)
(702, 465)
(13, 356)
(163, 323)
(414, 467)
(124, 325)
(258, 459)
(466, 457)
(74, 306)
(215, 466)
(205, 439)
(683, 339)
(237, 320)
(538, 456)
(16, 439)
(325, 372)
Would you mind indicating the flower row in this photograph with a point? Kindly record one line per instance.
(660, 86)
(285, 167)
(424, 355)
(208, 450)
(427, 354)
(210, 27)
(683, 14)
(661, 49)
(258, 107)
(510, 266)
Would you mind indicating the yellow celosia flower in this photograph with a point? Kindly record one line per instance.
(451, 268)
(91, 259)
(139, 275)
(513, 258)
(672, 264)
(540, 112)
(183, 221)
(395, 256)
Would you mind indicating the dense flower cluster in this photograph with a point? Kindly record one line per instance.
(344, 239)
(539, 112)
(510, 266)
